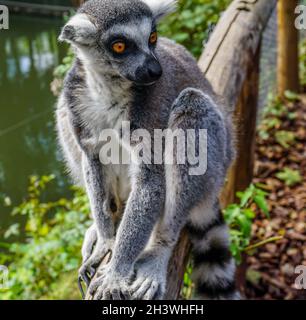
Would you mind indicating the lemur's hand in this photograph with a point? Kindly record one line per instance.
(110, 285)
(93, 252)
(151, 273)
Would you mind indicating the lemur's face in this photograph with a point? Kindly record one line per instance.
(119, 37)
(130, 49)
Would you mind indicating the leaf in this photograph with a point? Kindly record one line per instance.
(291, 96)
(289, 176)
(249, 213)
(13, 230)
(245, 196)
(43, 231)
(253, 276)
(7, 202)
(262, 204)
(285, 138)
(231, 213)
(245, 225)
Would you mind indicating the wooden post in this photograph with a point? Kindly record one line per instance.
(287, 62)
(241, 174)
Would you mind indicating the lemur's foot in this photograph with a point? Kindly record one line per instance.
(110, 285)
(93, 260)
(150, 281)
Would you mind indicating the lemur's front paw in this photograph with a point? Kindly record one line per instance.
(110, 285)
(150, 281)
(90, 265)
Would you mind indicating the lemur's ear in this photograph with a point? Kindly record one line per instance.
(79, 30)
(161, 8)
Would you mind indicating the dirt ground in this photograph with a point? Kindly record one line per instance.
(271, 269)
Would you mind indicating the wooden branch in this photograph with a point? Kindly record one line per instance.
(233, 46)
(287, 59)
(230, 62)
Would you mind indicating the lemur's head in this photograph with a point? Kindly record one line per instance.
(119, 36)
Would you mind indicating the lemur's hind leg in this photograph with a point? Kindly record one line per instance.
(186, 190)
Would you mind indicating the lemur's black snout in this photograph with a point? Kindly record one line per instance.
(154, 69)
(149, 72)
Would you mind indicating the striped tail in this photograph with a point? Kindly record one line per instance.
(214, 267)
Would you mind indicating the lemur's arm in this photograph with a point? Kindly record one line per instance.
(96, 190)
(103, 233)
(144, 207)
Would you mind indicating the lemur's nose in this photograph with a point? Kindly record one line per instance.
(154, 69)
(149, 72)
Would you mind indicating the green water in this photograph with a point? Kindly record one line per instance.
(28, 54)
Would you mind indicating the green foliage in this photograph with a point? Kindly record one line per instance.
(274, 113)
(289, 176)
(187, 289)
(51, 249)
(291, 96)
(240, 217)
(191, 23)
(285, 138)
(61, 70)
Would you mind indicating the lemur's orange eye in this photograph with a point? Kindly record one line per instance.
(119, 47)
(153, 37)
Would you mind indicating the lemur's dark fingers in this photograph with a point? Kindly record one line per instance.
(116, 294)
(159, 294)
(152, 291)
(126, 294)
(85, 276)
(80, 280)
(91, 272)
(94, 286)
(100, 294)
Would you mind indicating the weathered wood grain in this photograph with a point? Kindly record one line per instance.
(287, 58)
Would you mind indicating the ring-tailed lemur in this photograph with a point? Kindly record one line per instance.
(122, 72)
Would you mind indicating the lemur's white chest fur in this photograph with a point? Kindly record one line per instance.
(107, 102)
(106, 107)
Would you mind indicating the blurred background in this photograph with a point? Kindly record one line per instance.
(42, 217)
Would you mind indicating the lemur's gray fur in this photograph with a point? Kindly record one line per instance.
(152, 86)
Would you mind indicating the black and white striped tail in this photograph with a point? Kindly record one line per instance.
(214, 267)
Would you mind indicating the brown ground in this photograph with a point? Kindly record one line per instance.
(271, 268)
